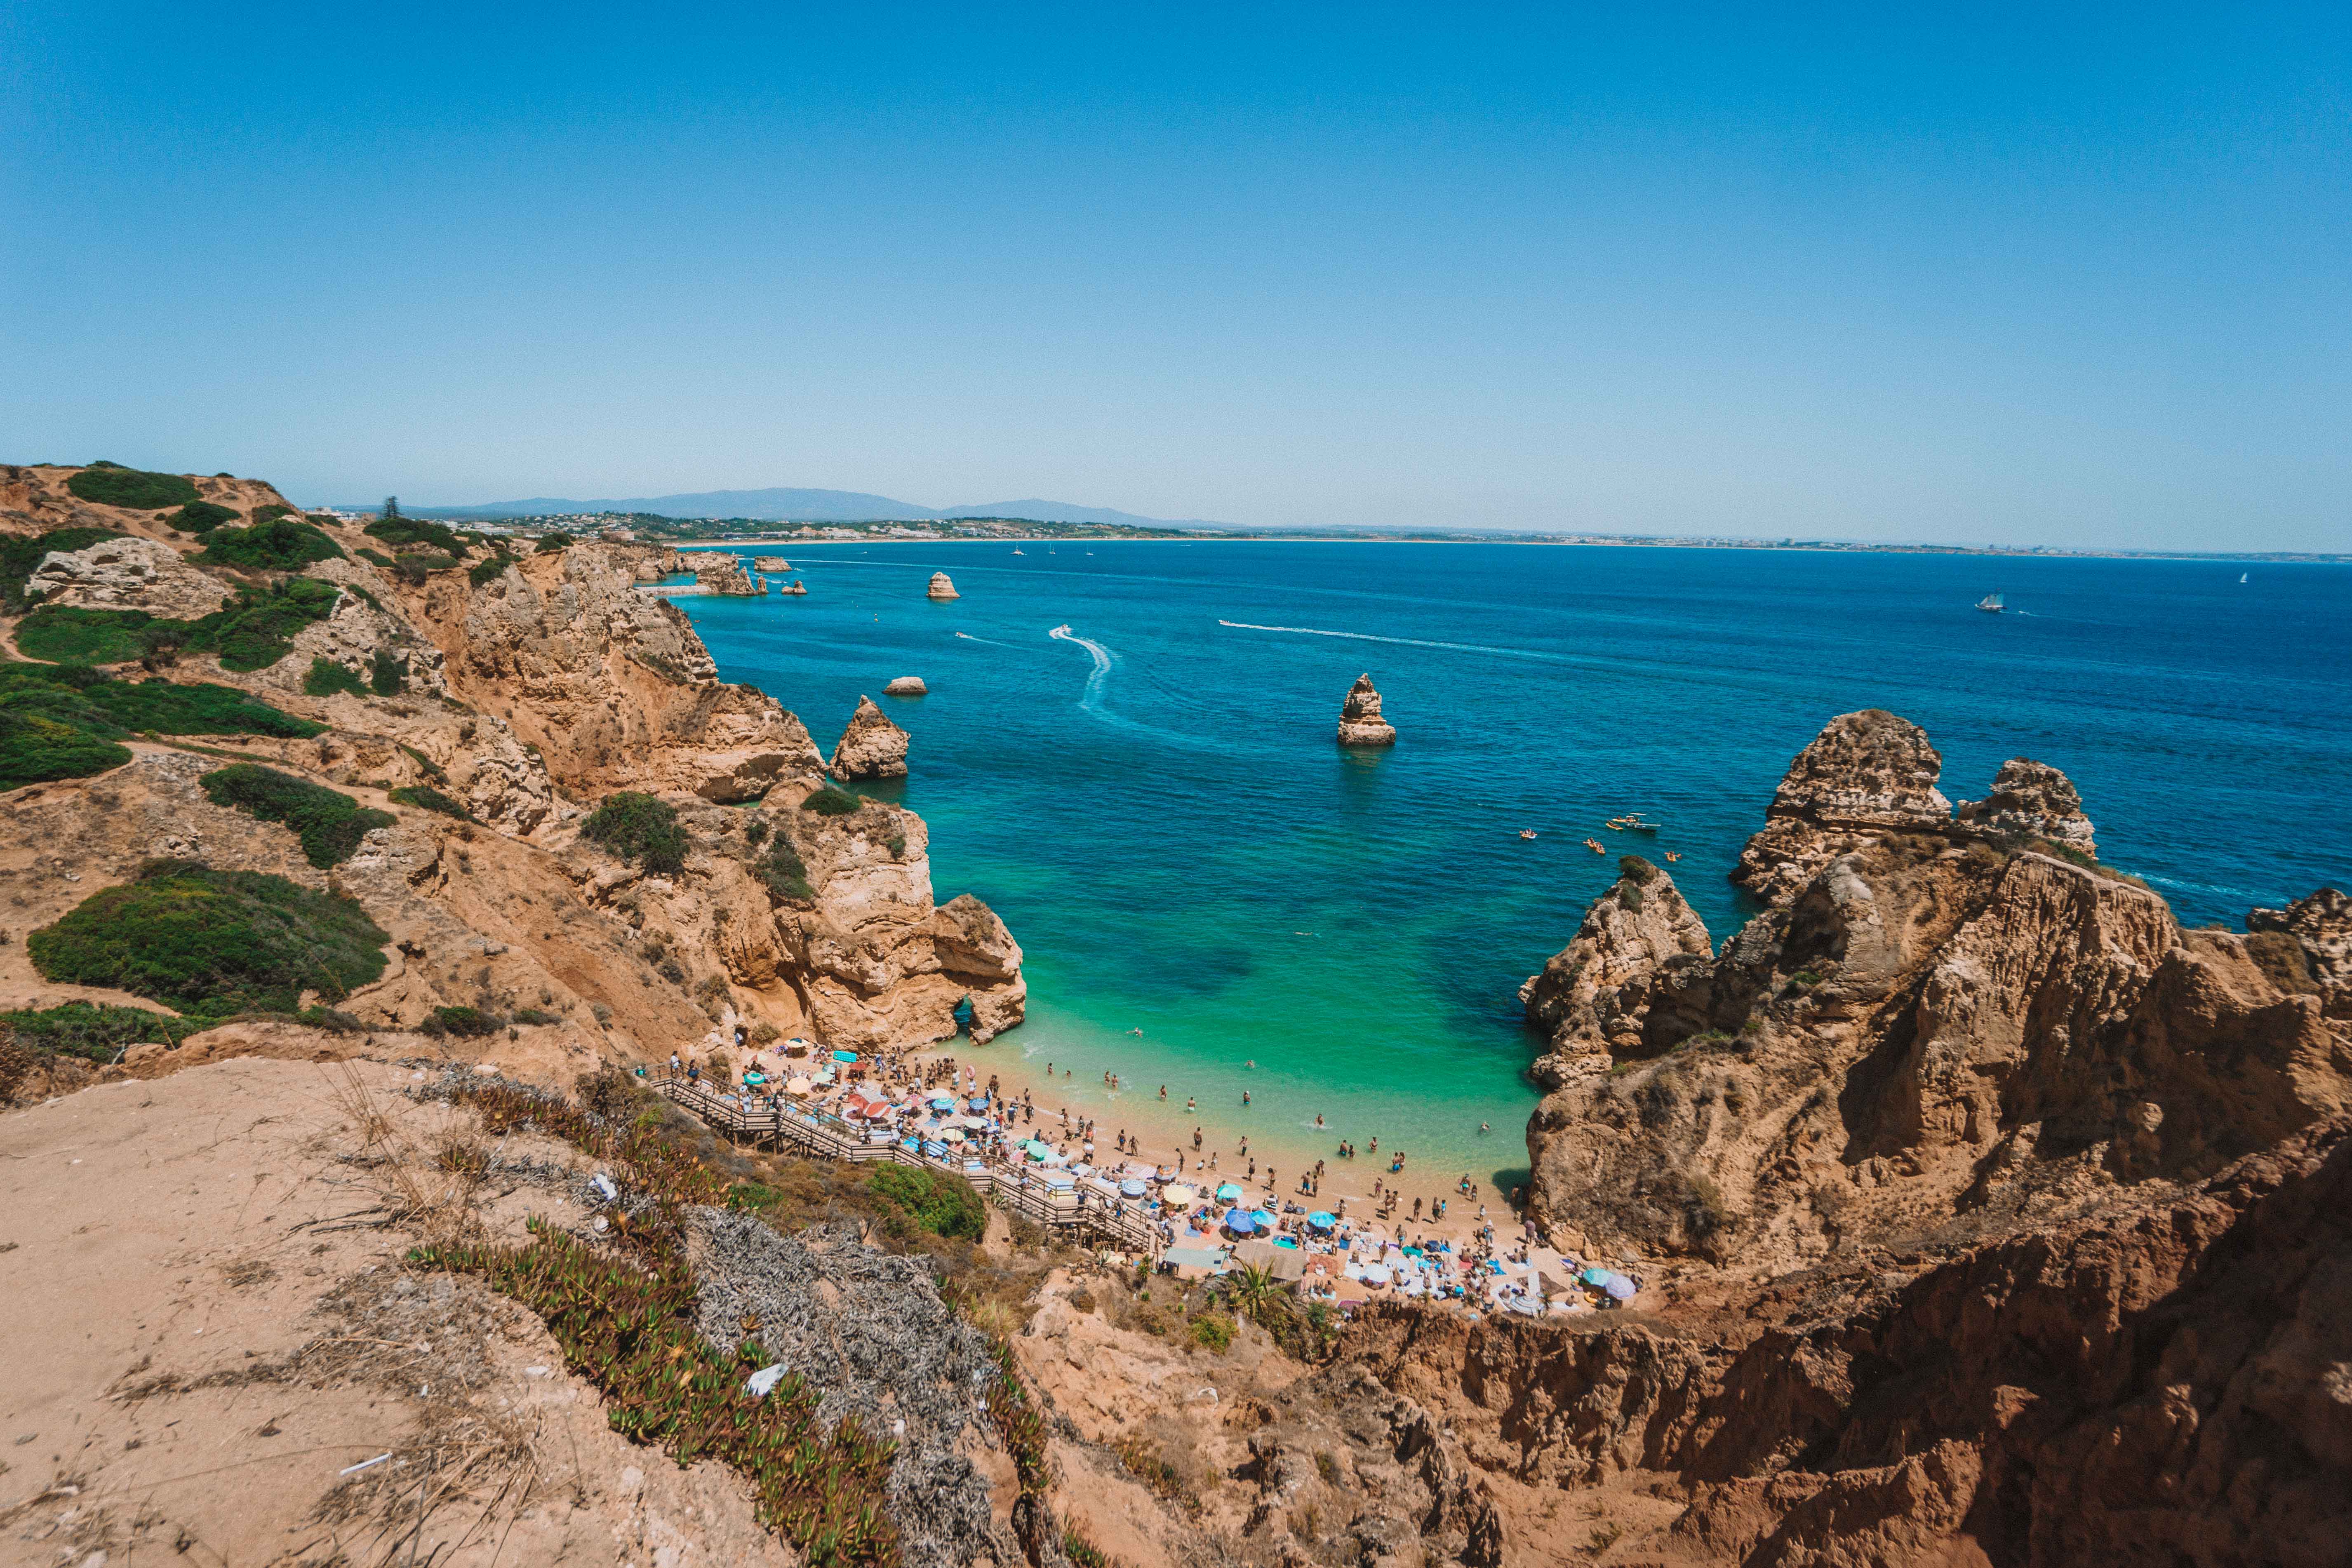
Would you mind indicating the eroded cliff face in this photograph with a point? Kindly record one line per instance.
(522, 700)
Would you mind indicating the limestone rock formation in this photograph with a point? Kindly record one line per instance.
(651, 564)
(127, 574)
(905, 686)
(2032, 800)
(941, 588)
(770, 563)
(1361, 724)
(1866, 772)
(725, 576)
(1594, 997)
(872, 747)
(611, 686)
(1924, 1024)
(794, 587)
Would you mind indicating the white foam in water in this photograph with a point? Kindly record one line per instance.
(1091, 699)
(1407, 642)
(990, 641)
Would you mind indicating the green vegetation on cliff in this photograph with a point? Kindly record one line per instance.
(254, 631)
(330, 823)
(275, 545)
(62, 721)
(636, 827)
(94, 1032)
(326, 677)
(942, 1203)
(211, 943)
(202, 517)
(134, 490)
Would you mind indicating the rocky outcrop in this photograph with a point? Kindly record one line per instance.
(1594, 997)
(652, 564)
(941, 588)
(905, 686)
(770, 563)
(1926, 1024)
(794, 587)
(127, 574)
(2032, 800)
(1361, 724)
(2321, 926)
(725, 576)
(356, 632)
(609, 686)
(1866, 772)
(872, 747)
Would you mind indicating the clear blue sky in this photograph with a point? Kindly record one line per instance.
(2048, 274)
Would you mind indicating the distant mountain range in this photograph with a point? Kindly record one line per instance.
(809, 506)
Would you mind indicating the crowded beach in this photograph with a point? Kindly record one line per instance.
(1210, 1210)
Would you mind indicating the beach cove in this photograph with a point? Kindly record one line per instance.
(1203, 880)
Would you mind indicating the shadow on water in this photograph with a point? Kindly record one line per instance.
(1511, 1178)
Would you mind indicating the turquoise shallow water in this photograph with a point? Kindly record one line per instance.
(1156, 806)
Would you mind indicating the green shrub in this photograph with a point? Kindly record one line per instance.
(270, 511)
(424, 797)
(940, 1203)
(388, 673)
(256, 630)
(330, 823)
(20, 554)
(135, 489)
(831, 802)
(399, 530)
(327, 678)
(35, 748)
(636, 827)
(755, 831)
(785, 873)
(93, 1032)
(376, 557)
(550, 543)
(202, 516)
(1213, 1330)
(277, 545)
(469, 1023)
(211, 942)
(1633, 868)
(65, 634)
(489, 570)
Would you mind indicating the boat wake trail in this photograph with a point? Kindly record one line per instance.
(990, 641)
(1091, 699)
(1406, 642)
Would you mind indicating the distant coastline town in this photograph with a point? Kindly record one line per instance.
(748, 532)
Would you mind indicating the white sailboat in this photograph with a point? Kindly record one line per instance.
(1990, 605)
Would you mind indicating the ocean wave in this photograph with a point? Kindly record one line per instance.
(1407, 642)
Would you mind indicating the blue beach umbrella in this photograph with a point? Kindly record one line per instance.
(1239, 1222)
(1598, 1277)
(1321, 1221)
(1131, 1188)
(942, 1102)
(1264, 1220)
(1228, 1193)
(977, 1104)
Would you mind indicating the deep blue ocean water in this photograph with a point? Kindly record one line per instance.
(1156, 806)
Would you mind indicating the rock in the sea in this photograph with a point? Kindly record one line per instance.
(941, 588)
(770, 563)
(127, 574)
(905, 686)
(1864, 773)
(872, 747)
(2033, 800)
(794, 587)
(1594, 997)
(1361, 724)
(726, 575)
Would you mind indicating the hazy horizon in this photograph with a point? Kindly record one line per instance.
(2009, 277)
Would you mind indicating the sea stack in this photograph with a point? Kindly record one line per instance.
(1865, 775)
(905, 686)
(1361, 724)
(2033, 800)
(872, 747)
(941, 588)
(771, 563)
(726, 575)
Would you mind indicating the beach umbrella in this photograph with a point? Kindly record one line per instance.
(1132, 1188)
(797, 1086)
(943, 1102)
(952, 1135)
(1620, 1288)
(1264, 1220)
(1228, 1193)
(1374, 1273)
(978, 1102)
(1597, 1276)
(1239, 1222)
(1177, 1197)
(1321, 1221)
